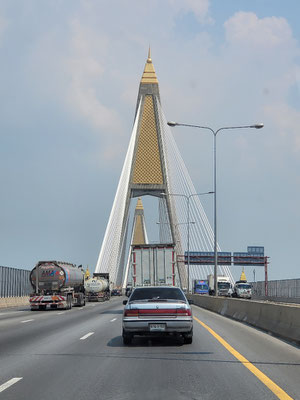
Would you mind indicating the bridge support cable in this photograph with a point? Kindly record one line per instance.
(201, 233)
(110, 254)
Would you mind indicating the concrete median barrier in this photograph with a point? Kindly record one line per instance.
(6, 302)
(282, 320)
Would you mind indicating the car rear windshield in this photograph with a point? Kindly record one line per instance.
(157, 294)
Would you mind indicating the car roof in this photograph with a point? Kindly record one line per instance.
(157, 287)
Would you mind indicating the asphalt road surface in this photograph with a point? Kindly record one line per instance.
(79, 354)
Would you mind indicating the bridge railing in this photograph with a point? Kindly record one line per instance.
(14, 282)
(281, 289)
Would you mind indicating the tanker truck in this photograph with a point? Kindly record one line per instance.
(56, 285)
(97, 288)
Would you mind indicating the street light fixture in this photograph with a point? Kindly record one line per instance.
(187, 197)
(255, 126)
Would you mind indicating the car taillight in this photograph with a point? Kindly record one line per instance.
(131, 313)
(184, 311)
(163, 311)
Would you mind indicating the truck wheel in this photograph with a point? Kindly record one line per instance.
(80, 300)
(69, 302)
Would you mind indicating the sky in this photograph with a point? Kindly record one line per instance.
(69, 77)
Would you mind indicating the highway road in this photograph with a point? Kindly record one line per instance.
(79, 354)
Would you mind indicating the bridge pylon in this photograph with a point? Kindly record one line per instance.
(145, 172)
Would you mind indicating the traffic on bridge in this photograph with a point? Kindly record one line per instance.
(138, 301)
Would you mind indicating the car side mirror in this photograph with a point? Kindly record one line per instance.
(125, 302)
(191, 301)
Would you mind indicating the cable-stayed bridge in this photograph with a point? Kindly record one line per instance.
(153, 166)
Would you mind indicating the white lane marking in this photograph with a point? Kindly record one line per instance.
(9, 383)
(27, 320)
(87, 335)
(112, 320)
(11, 312)
(60, 313)
(80, 308)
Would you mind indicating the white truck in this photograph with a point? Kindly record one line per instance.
(223, 283)
(153, 265)
(242, 289)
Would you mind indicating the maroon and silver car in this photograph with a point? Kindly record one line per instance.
(156, 311)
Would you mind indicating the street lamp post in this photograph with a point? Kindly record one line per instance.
(255, 126)
(187, 197)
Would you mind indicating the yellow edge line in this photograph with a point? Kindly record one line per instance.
(281, 394)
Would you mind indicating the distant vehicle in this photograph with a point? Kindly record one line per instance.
(224, 285)
(56, 285)
(156, 311)
(242, 289)
(153, 265)
(200, 287)
(97, 288)
(116, 292)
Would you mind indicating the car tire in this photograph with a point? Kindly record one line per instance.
(188, 337)
(127, 337)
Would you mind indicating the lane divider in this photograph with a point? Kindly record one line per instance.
(281, 394)
(26, 320)
(9, 383)
(112, 320)
(11, 312)
(87, 335)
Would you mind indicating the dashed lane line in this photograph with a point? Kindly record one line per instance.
(61, 313)
(87, 335)
(112, 320)
(26, 320)
(280, 393)
(9, 383)
(11, 312)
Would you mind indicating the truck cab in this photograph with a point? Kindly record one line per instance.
(200, 287)
(242, 289)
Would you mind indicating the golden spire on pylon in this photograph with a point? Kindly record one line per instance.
(243, 276)
(149, 75)
(139, 228)
(139, 205)
(87, 274)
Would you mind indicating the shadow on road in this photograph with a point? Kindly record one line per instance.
(139, 341)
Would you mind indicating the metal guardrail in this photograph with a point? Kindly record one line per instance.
(14, 282)
(285, 288)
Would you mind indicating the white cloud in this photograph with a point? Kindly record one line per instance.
(285, 121)
(245, 28)
(87, 70)
(199, 7)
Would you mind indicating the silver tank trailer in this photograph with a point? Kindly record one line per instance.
(96, 285)
(55, 275)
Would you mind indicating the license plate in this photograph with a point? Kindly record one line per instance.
(157, 327)
(47, 298)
